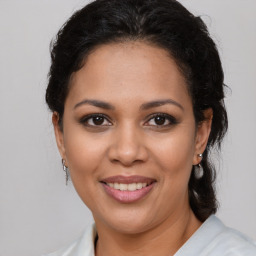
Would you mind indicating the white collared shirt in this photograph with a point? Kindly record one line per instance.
(213, 238)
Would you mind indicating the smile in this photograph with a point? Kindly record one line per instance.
(128, 189)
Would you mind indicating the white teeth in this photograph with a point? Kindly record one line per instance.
(123, 187)
(139, 185)
(129, 187)
(116, 185)
(132, 187)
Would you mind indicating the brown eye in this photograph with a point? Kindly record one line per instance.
(95, 120)
(98, 120)
(161, 120)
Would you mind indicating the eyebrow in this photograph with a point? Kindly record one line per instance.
(96, 103)
(145, 106)
(158, 103)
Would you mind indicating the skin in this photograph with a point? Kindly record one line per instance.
(129, 142)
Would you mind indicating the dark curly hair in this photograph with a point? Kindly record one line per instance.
(169, 25)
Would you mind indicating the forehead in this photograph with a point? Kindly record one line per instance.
(129, 70)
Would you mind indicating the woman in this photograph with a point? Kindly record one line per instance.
(136, 90)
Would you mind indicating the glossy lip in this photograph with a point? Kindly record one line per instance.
(128, 196)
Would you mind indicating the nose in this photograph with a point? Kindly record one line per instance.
(128, 147)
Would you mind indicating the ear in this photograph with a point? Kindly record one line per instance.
(58, 134)
(202, 135)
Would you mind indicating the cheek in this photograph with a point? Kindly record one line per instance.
(174, 156)
(85, 157)
(175, 153)
(83, 152)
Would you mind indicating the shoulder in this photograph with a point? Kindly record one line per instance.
(213, 238)
(230, 242)
(84, 246)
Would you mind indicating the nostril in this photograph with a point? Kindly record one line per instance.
(127, 148)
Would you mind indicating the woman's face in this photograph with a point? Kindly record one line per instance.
(129, 136)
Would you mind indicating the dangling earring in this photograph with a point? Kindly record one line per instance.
(65, 169)
(199, 171)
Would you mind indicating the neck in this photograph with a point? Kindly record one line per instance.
(164, 240)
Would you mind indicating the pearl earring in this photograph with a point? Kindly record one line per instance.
(199, 171)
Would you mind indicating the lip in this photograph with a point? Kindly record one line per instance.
(128, 196)
(128, 179)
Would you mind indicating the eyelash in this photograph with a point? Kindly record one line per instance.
(85, 119)
(172, 120)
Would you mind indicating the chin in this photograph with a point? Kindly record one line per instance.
(130, 228)
(130, 222)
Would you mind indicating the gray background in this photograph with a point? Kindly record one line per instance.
(38, 213)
